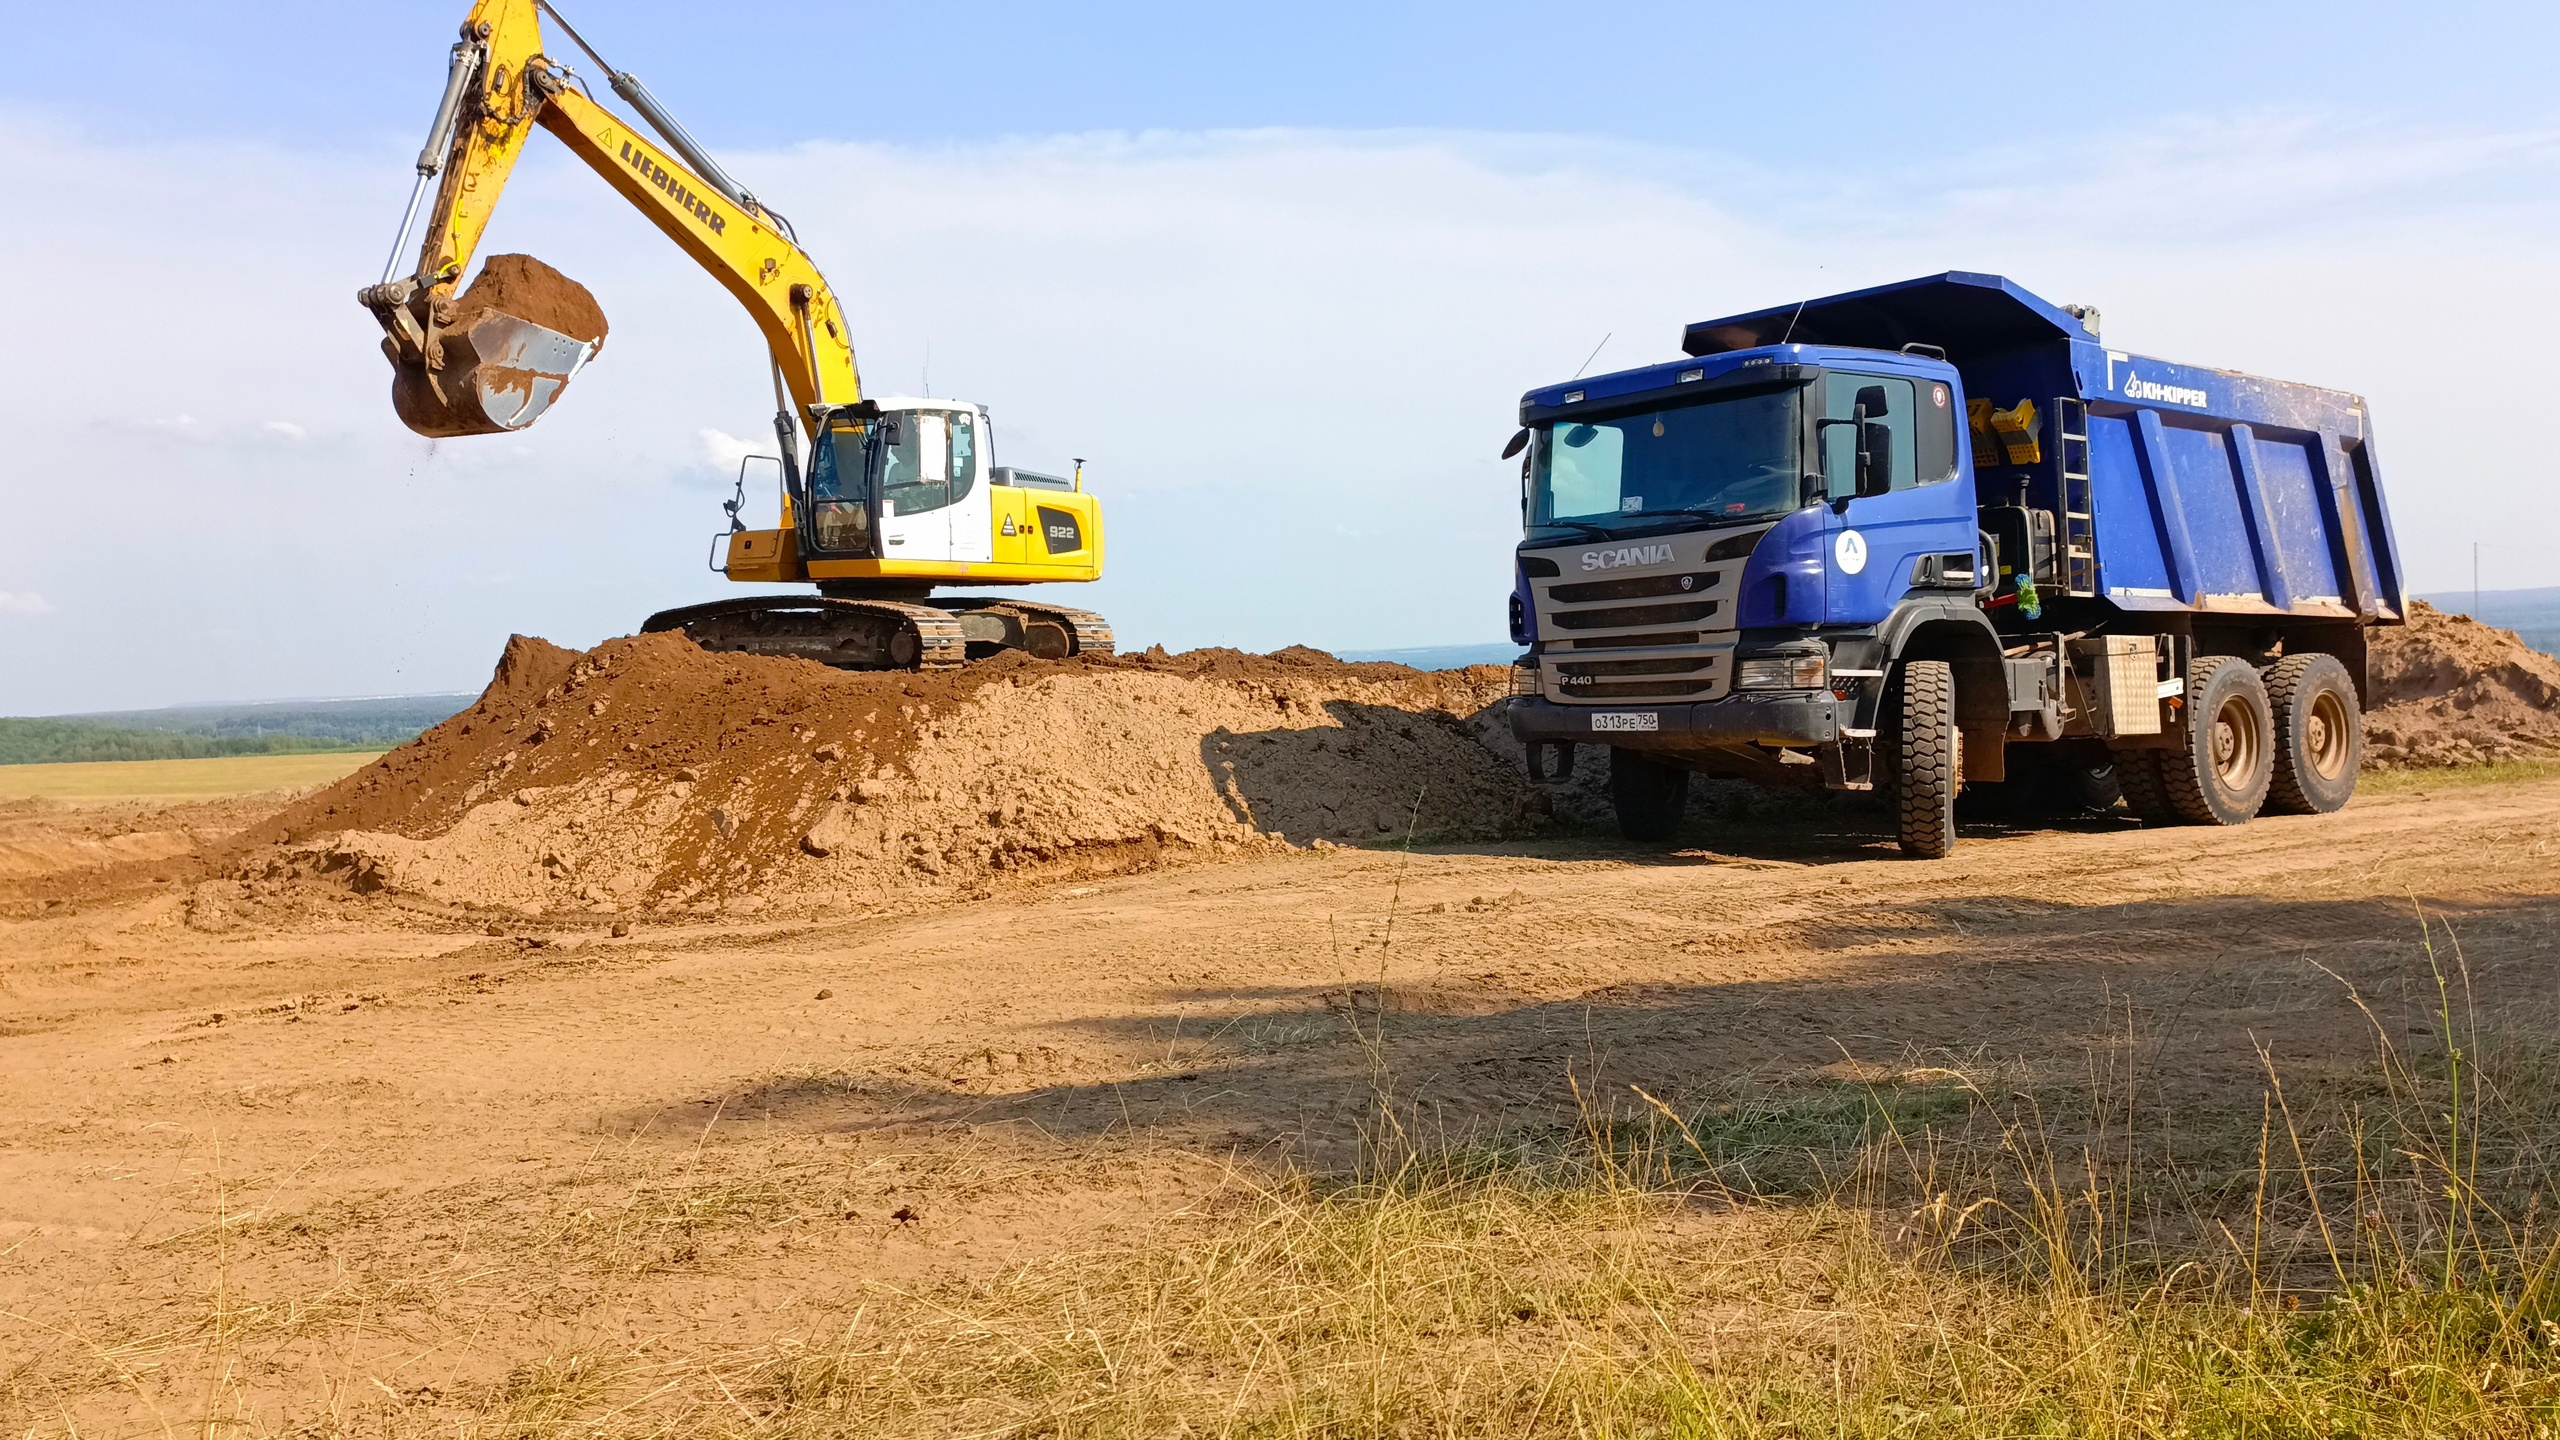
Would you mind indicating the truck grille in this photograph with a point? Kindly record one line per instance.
(1675, 644)
(1635, 615)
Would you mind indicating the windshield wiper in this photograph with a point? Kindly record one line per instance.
(1697, 511)
(1585, 526)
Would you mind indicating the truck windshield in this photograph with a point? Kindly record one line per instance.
(1730, 458)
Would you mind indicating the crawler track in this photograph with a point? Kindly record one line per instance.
(866, 634)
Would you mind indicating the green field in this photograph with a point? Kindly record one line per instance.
(178, 779)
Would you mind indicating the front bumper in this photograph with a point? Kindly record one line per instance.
(1786, 718)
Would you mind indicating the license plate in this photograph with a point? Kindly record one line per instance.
(1623, 720)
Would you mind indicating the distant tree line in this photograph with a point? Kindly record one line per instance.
(198, 732)
(48, 742)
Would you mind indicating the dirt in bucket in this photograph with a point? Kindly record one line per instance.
(524, 287)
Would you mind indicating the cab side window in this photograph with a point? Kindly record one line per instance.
(1937, 412)
(1841, 390)
(915, 463)
(964, 455)
(1920, 415)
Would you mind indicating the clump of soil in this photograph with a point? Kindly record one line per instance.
(649, 774)
(2448, 690)
(524, 287)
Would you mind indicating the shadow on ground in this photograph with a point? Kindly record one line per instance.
(2196, 998)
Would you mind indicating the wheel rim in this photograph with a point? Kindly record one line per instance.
(2235, 744)
(2327, 734)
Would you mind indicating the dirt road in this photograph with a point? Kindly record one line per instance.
(474, 1148)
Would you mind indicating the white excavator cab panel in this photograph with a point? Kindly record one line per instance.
(973, 534)
(915, 486)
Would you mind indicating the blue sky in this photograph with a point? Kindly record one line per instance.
(1839, 85)
(1282, 272)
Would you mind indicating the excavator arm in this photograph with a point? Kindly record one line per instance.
(464, 368)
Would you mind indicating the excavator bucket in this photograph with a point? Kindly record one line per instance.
(492, 359)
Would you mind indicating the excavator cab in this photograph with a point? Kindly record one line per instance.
(916, 468)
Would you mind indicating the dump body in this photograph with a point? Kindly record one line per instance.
(1732, 560)
(2212, 490)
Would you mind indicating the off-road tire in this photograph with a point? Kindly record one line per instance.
(1928, 764)
(2095, 787)
(2319, 734)
(2138, 776)
(1649, 796)
(2220, 777)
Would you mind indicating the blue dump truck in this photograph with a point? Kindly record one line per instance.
(1936, 533)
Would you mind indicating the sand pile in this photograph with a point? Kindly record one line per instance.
(647, 774)
(524, 287)
(2448, 690)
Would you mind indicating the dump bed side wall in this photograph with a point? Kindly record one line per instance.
(2212, 490)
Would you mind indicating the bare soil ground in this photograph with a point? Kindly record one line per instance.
(307, 1159)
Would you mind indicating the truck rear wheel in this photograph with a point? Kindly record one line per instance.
(2220, 776)
(2138, 776)
(1928, 763)
(1649, 796)
(2319, 734)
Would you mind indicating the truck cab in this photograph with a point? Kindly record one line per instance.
(1748, 561)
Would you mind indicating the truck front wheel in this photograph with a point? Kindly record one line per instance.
(1928, 766)
(2220, 777)
(2319, 734)
(1649, 796)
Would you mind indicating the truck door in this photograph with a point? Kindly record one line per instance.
(1873, 541)
(915, 487)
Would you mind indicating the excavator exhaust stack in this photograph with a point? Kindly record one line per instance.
(491, 360)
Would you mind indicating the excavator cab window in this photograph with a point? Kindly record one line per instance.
(911, 450)
(839, 498)
(964, 455)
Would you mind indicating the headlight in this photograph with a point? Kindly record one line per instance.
(1524, 678)
(1780, 672)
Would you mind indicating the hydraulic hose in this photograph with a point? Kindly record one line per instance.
(431, 157)
(628, 86)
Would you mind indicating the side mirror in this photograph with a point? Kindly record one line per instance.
(1875, 458)
(1519, 442)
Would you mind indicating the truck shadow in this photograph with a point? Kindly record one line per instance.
(1380, 775)
(2188, 1001)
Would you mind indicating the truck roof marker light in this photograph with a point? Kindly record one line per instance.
(1572, 397)
(1688, 375)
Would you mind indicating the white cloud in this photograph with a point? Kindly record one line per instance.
(23, 602)
(1290, 357)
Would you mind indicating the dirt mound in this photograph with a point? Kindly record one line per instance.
(524, 287)
(649, 774)
(2448, 690)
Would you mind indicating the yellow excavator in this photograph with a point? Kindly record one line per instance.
(899, 496)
